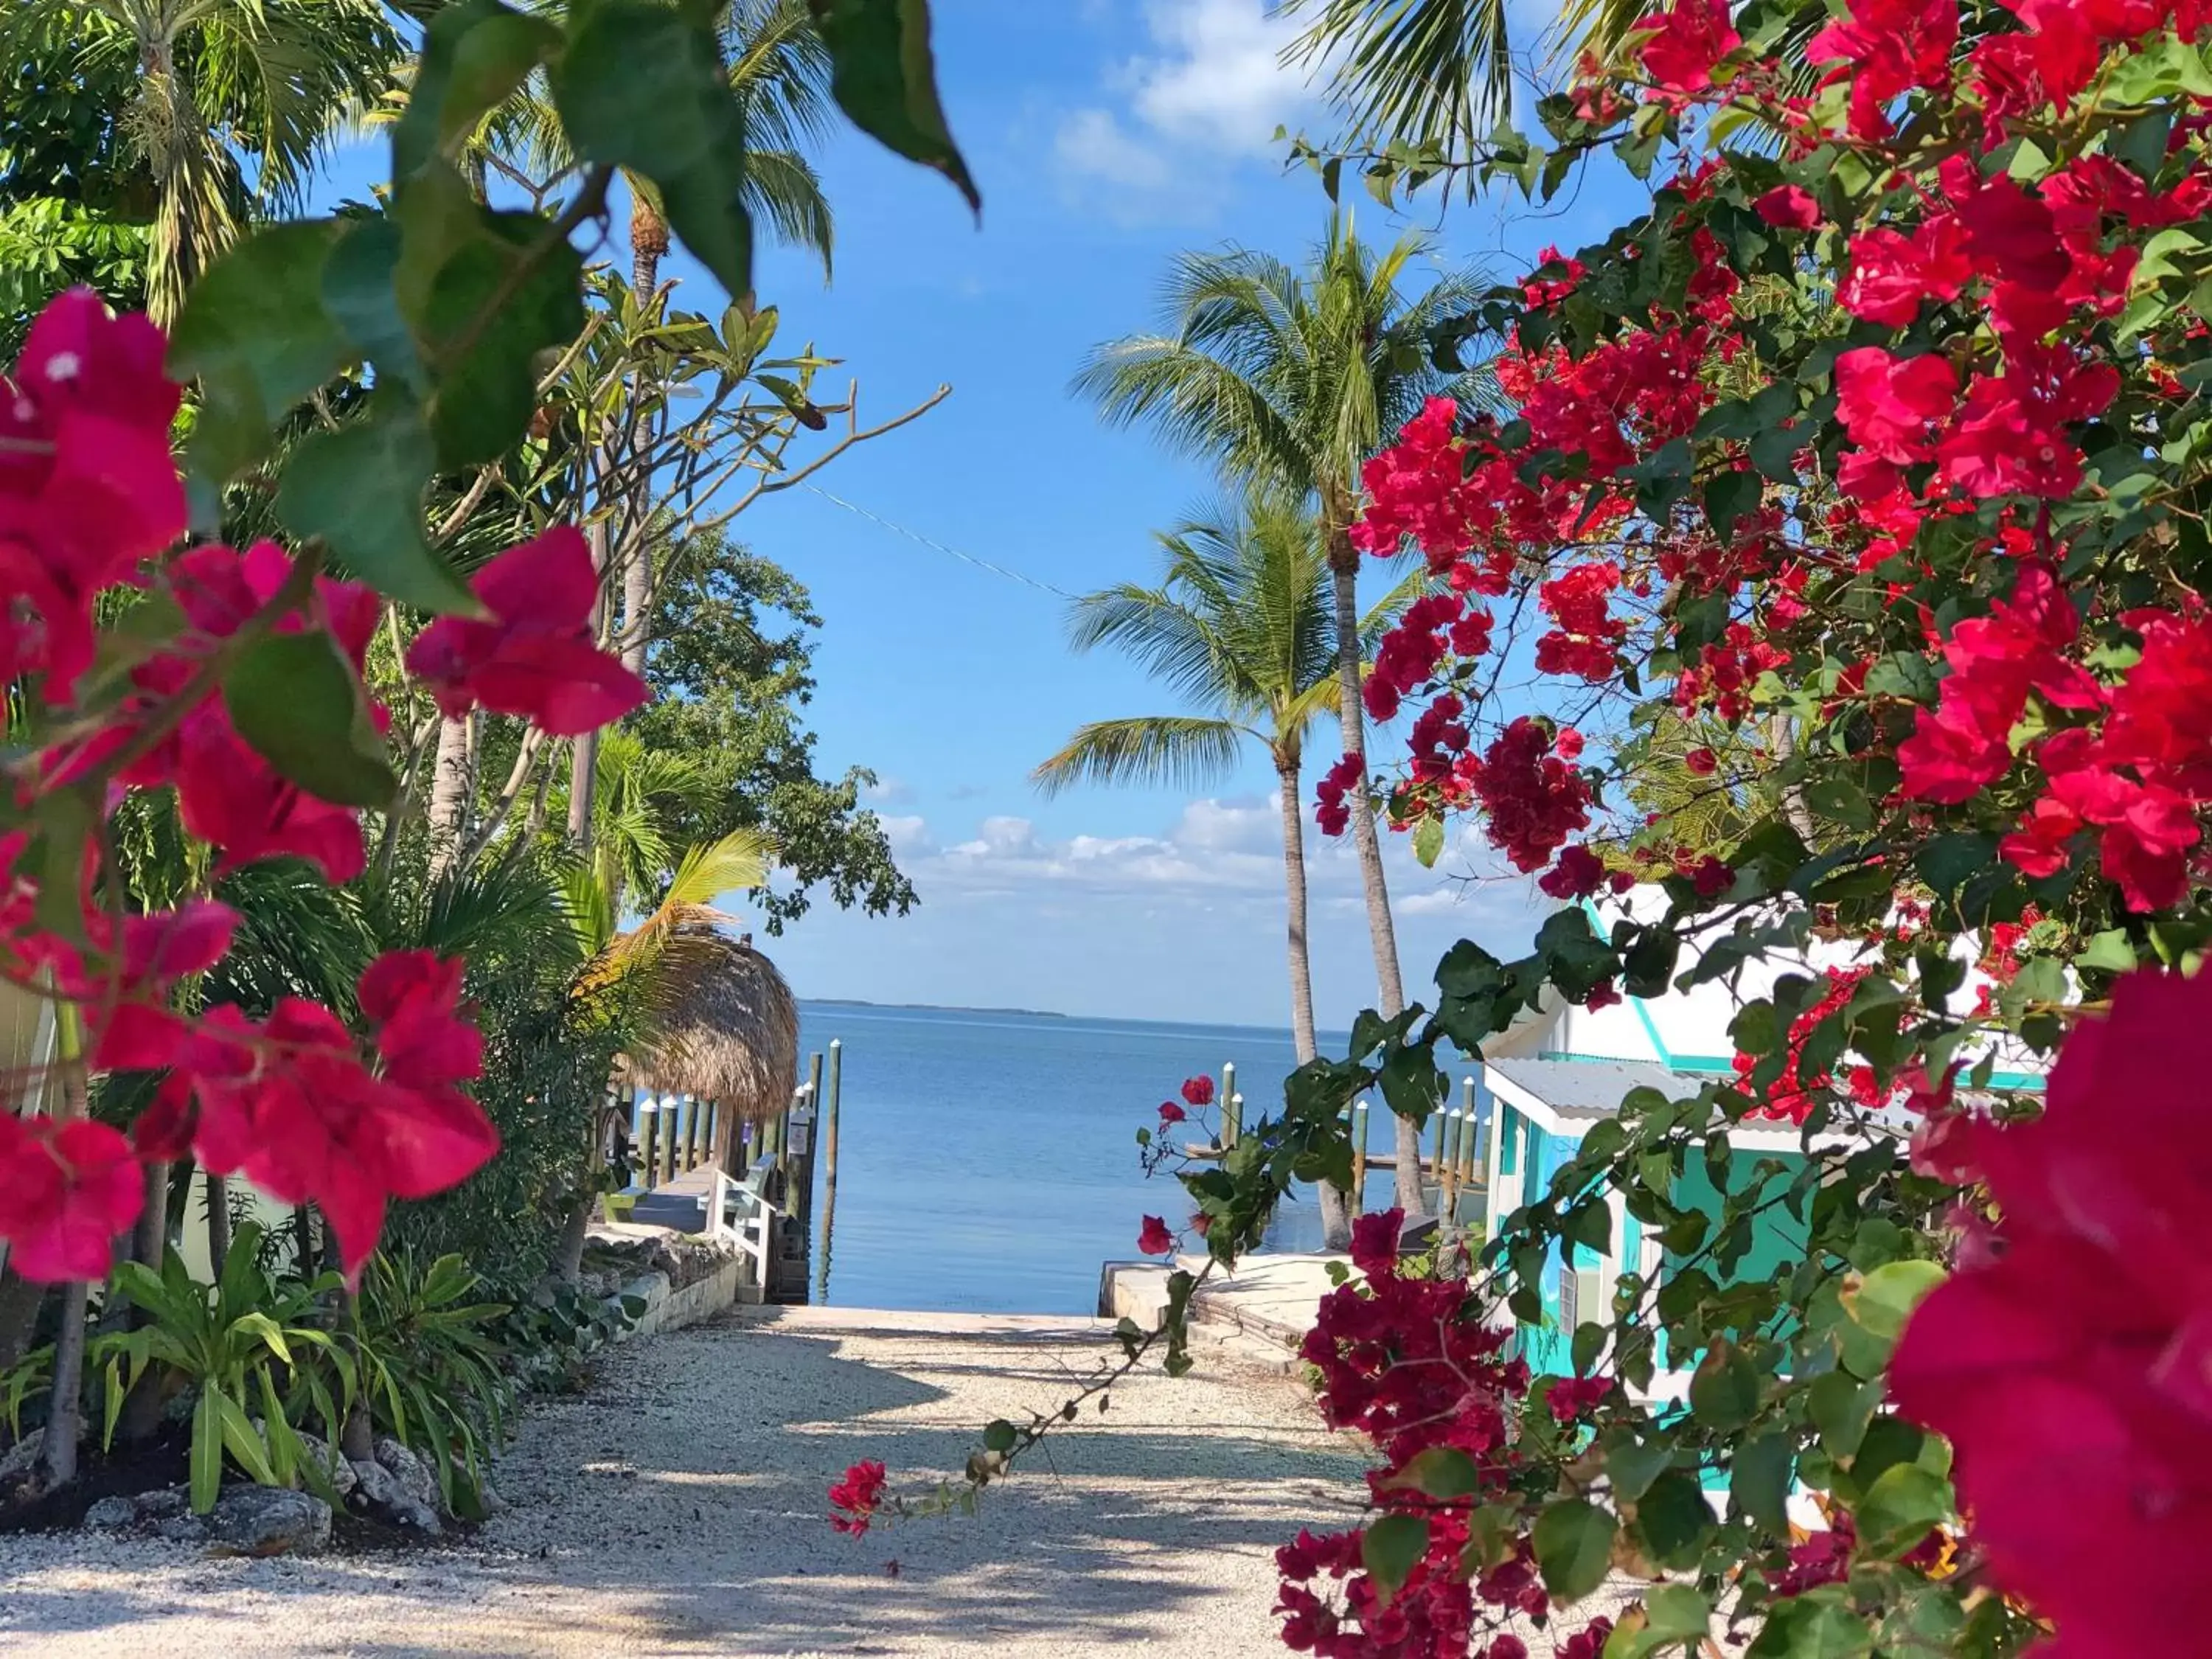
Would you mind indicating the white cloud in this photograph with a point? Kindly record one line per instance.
(1226, 849)
(887, 792)
(1206, 96)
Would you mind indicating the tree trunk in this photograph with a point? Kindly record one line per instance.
(648, 241)
(1334, 1202)
(569, 1260)
(1382, 932)
(584, 751)
(65, 1404)
(149, 1245)
(449, 795)
(218, 1223)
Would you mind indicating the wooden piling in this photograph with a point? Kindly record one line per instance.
(694, 1108)
(1447, 1165)
(646, 1171)
(1232, 1106)
(829, 1107)
(802, 1174)
(671, 1110)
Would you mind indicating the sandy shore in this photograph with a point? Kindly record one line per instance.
(678, 1509)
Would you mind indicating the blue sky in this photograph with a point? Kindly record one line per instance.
(1106, 135)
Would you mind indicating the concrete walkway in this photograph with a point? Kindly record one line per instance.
(678, 1509)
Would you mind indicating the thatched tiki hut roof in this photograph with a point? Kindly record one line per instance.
(731, 1032)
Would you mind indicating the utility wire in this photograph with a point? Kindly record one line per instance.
(954, 552)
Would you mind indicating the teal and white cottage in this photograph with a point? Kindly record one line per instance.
(1563, 1068)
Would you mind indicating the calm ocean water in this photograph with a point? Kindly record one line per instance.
(988, 1161)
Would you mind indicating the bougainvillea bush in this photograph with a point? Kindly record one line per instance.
(1859, 487)
(1876, 453)
(347, 380)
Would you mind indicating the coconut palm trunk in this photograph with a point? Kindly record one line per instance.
(648, 242)
(1334, 1203)
(1381, 929)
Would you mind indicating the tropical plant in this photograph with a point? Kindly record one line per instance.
(239, 1346)
(1294, 379)
(1241, 627)
(428, 1362)
(233, 102)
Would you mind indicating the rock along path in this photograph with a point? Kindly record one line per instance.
(677, 1509)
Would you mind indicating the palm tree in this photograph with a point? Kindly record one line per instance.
(1294, 379)
(1241, 627)
(233, 101)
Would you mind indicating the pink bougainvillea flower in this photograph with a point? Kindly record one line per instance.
(857, 1497)
(1198, 1091)
(66, 1190)
(1788, 207)
(87, 484)
(290, 1105)
(534, 657)
(1689, 39)
(1891, 274)
(1889, 403)
(2069, 1368)
(1153, 1239)
(1577, 873)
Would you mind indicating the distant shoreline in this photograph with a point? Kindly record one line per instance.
(931, 1007)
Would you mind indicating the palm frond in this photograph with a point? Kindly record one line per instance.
(1179, 752)
(1418, 72)
(740, 860)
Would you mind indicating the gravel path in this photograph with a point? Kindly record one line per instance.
(678, 1509)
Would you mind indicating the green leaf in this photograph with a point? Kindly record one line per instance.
(255, 334)
(1729, 496)
(294, 699)
(1438, 1472)
(482, 294)
(474, 56)
(998, 1436)
(1632, 1465)
(1574, 1548)
(1672, 1519)
(207, 1447)
(1590, 1224)
(1840, 1406)
(2111, 951)
(361, 489)
(1757, 1030)
(643, 86)
(1899, 1508)
(243, 1440)
(1724, 1388)
(1429, 843)
(884, 76)
(358, 282)
(1670, 1614)
(1587, 1344)
(1758, 1480)
(1885, 1298)
(1807, 1627)
(1391, 1549)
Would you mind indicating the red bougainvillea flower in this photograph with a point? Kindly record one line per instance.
(87, 484)
(291, 1104)
(2069, 1369)
(1701, 763)
(1889, 404)
(1788, 207)
(66, 1190)
(1689, 39)
(1153, 1239)
(1579, 873)
(1198, 1091)
(535, 657)
(1171, 1112)
(857, 1497)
